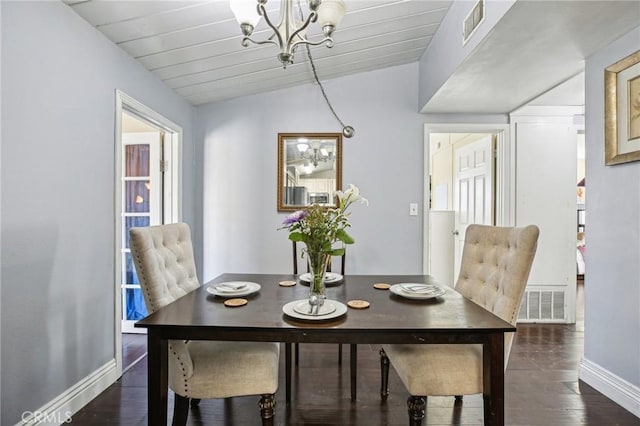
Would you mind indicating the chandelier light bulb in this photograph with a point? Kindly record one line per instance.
(246, 12)
(330, 15)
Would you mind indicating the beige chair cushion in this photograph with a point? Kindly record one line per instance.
(227, 369)
(496, 262)
(438, 370)
(163, 256)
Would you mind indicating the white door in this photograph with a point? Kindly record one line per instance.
(141, 205)
(473, 168)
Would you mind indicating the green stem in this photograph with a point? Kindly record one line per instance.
(317, 266)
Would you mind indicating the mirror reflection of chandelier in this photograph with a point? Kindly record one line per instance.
(315, 152)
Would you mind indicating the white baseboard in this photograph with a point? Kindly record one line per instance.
(613, 387)
(59, 410)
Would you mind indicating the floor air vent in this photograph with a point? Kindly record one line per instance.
(542, 306)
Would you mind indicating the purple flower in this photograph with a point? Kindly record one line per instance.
(295, 217)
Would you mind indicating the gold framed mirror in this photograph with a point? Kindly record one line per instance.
(309, 169)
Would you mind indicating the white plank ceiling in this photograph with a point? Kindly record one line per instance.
(194, 46)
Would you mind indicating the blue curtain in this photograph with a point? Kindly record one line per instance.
(137, 195)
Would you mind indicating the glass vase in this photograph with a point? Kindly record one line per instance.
(318, 262)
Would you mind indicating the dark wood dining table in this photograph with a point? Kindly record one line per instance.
(450, 319)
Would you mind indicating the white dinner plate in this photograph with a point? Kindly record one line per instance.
(337, 309)
(417, 290)
(325, 309)
(233, 288)
(329, 277)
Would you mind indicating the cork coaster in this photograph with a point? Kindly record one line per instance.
(358, 304)
(287, 283)
(382, 286)
(233, 303)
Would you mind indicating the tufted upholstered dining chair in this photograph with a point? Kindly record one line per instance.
(495, 267)
(163, 257)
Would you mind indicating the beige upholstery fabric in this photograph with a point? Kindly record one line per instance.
(496, 262)
(226, 369)
(163, 256)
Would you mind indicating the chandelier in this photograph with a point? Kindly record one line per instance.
(289, 33)
(315, 153)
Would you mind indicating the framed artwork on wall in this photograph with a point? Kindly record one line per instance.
(622, 110)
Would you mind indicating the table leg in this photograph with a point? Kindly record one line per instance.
(287, 372)
(353, 369)
(493, 380)
(157, 377)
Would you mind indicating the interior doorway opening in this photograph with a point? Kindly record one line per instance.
(142, 188)
(147, 182)
(462, 188)
(468, 172)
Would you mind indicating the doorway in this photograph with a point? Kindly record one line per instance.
(147, 181)
(468, 167)
(462, 177)
(141, 183)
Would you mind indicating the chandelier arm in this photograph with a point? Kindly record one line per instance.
(328, 40)
(262, 11)
(245, 41)
(313, 17)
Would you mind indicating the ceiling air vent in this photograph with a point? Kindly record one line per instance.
(473, 19)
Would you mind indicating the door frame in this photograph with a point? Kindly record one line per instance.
(172, 181)
(504, 176)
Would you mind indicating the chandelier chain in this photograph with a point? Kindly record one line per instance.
(347, 130)
(324, 94)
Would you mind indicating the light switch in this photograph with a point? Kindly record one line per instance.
(413, 209)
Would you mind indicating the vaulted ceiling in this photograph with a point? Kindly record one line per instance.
(194, 46)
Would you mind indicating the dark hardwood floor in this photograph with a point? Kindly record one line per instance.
(542, 388)
(134, 348)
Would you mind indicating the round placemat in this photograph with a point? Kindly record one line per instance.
(358, 304)
(382, 286)
(234, 303)
(287, 283)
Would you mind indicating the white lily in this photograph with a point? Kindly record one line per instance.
(350, 196)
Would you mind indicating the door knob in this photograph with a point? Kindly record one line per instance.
(455, 232)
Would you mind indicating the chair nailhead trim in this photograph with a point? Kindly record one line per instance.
(184, 372)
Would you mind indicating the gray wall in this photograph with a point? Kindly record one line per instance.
(446, 49)
(59, 77)
(384, 159)
(612, 279)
